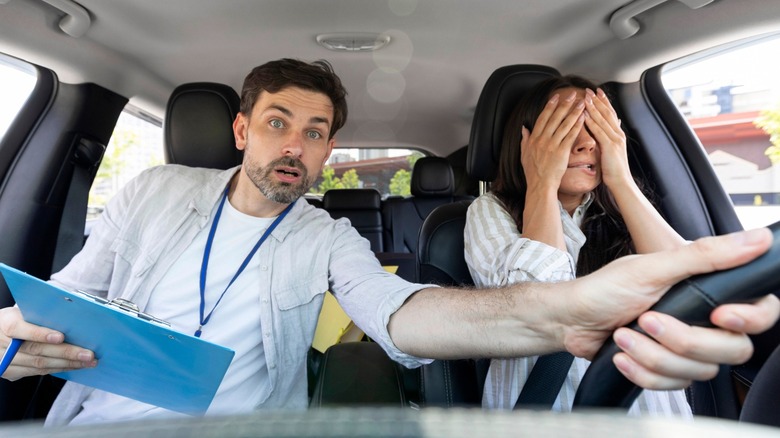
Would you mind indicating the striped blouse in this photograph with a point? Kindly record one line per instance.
(497, 254)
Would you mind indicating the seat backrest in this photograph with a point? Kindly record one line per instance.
(363, 209)
(358, 374)
(762, 403)
(440, 247)
(446, 383)
(432, 185)
(503, 89)
(199, 126)
(465, 184)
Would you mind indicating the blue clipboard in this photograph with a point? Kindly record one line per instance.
(139, 356)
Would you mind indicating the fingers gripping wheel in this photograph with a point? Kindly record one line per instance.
(691, 301)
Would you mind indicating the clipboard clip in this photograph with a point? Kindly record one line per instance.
(126, 306)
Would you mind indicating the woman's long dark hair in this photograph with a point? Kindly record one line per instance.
(603, 226)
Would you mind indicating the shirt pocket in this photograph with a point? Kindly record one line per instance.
(297, 310)
(132, 257)
(302, 293)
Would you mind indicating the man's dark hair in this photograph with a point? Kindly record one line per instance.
(317, 76)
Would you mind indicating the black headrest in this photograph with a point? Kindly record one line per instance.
(502, 91)
(199, 126)
(352, 199)
(432, 176)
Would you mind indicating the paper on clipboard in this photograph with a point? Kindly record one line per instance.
(138, 358)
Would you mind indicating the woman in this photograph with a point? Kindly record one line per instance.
(564, 204)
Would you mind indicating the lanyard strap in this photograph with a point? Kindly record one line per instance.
(205, 265)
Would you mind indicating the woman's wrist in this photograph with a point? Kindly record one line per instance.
(621, 181)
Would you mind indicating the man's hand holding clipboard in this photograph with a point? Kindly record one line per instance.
(138, 356)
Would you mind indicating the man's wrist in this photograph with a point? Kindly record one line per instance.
(545, 315)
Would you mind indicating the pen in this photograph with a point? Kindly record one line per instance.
(9, 354)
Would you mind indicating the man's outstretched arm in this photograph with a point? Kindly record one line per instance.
(537, 318)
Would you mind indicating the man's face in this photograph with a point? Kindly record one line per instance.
(285, 142)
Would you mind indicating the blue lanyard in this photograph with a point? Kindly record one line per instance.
(205, 265)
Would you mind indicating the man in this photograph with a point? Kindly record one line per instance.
(174, 239)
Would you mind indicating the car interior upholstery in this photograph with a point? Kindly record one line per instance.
(430, 221)
(363, 208)
(440, 260)
(198, 129)
(443, 86)
(432, 185)
(78, 120)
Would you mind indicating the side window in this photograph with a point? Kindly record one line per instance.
(17, 80)
(135, 145)
(731, 99)
(387, 170)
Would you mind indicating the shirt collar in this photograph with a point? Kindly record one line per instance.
(579, 212)
(203, 200)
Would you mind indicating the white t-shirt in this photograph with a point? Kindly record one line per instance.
(176, 299)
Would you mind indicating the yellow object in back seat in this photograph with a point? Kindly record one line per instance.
(334, 326)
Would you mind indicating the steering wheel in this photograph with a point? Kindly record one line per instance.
(691, 301)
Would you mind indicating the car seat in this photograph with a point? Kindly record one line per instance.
(762, 404)
(432, 185)
(199, 126)
(198, 132)
(363, 208)
(440, 248)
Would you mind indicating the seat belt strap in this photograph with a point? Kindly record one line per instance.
(545, 381)
(70, 237)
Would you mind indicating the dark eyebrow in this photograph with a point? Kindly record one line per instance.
(281, 109)
(289, 113)
(319, 120)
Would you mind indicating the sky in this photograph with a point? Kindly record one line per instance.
(15, 86)
(756, 64)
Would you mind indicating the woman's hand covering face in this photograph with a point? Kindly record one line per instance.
(544, 152)
(604, 125)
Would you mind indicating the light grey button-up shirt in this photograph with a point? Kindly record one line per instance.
(147, 225)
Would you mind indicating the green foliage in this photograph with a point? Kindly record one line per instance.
(349, 180)
(401, 183)
(113, 163)
(413, 157)
(769, 121)
(329, 180)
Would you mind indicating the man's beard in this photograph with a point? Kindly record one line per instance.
(278, 191)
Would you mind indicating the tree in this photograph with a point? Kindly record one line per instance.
(769, 121)
(413, 157)
(329, 180)
(113, 164)
(401, 183)
(349, 180)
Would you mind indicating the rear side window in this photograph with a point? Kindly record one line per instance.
(387, 170)
(136, 144)
(17, 80)
(731, 99)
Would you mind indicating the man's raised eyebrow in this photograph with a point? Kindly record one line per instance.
(289, 113)
(281, 109)
(320, 120)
